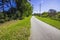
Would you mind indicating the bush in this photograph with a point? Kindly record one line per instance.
(2, 20)
(44, 14)
(1, 15)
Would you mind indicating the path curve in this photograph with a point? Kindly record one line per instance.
(43, 31)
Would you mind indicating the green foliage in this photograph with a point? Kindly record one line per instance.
(51, 14)
(24, 7)
(1, 15)
(56, 17)
(45, 14)
(28, 9)
(22, 10)
(2, 20)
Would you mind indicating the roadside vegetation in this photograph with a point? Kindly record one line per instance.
(15, 29)
(15, 19)
(51, 17)
(14, 9)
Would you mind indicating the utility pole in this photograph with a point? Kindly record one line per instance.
(40, 7)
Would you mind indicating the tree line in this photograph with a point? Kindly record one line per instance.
(52, 13)
(23, 9)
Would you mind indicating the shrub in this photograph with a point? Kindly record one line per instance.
(45, 14)
(1, 15)
(2, 20)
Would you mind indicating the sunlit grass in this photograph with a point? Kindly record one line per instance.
(15, 30)
(50, 21)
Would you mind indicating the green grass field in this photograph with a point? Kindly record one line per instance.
(50, 21)
(15, 30)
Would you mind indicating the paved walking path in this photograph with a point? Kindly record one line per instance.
(43, 31)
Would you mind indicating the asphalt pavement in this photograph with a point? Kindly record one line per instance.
(43, 31)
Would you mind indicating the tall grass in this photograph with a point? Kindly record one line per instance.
(15, 30)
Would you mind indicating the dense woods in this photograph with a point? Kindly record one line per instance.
(14, 9)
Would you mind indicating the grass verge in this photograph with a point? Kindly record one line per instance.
(15, 30)
(50, 21)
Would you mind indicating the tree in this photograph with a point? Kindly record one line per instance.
(2, 7)
(11, 13)
(28, 9)
(23, 6)
(52, 12)
(23, 9)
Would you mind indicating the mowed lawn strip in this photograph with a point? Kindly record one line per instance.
(15, 30)
(50, 21)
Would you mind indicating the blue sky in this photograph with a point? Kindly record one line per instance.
(45, 5)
